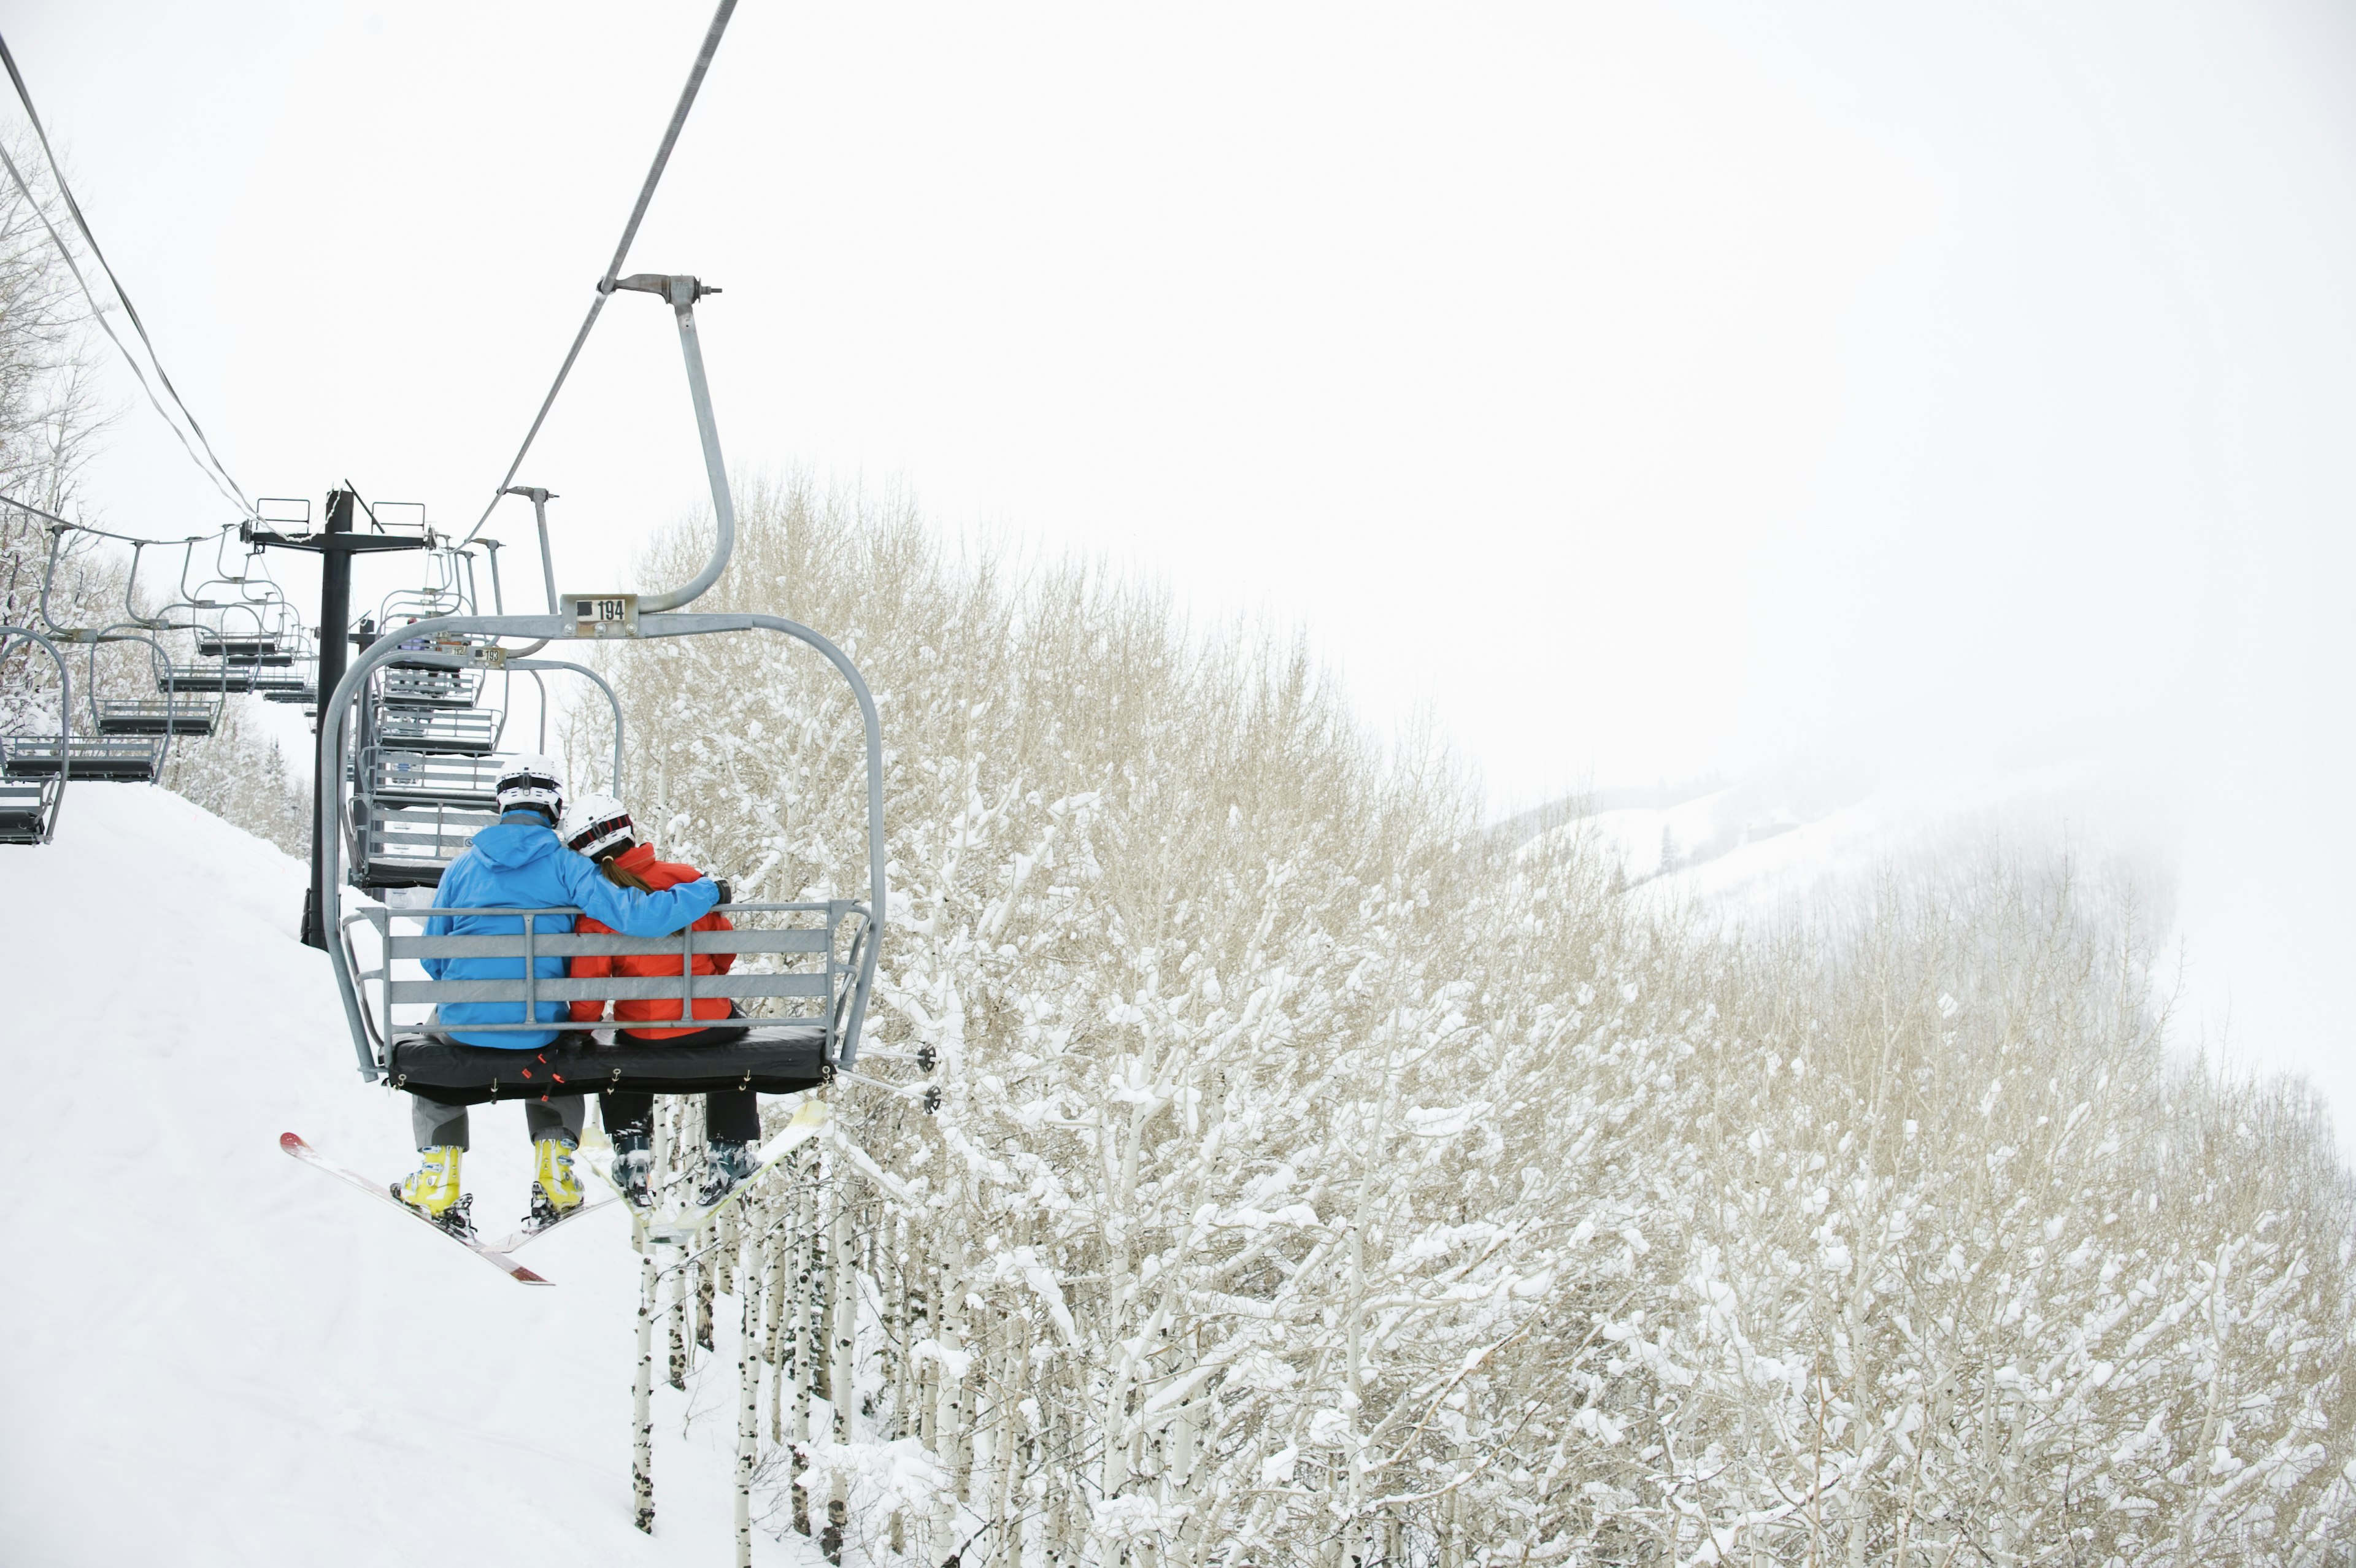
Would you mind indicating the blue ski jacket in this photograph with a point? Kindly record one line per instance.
(519, 863)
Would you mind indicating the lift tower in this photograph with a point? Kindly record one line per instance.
(335, 547)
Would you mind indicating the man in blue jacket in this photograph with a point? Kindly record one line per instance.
(519, 863)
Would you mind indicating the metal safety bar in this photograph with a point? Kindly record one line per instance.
(530, 989)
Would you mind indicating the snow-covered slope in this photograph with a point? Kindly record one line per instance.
(215, 1355)
(1761, 847)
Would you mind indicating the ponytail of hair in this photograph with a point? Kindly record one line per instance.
(620, 877)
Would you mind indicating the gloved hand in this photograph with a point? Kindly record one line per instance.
(728, 893)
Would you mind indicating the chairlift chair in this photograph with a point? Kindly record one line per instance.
(408, 686)
(29, 803)
(409, 844)
(253, 650)
(412, 813)
(473, 733)
(29, 809)
(817, 958)
(157, 716)
(219, 679)
(107, 759)
(423, 777)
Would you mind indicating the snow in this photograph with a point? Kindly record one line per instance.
(218, 1355)
(1764, 845)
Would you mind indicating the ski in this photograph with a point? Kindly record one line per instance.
(682, 1228)
(525, 1237)
(498, 1260)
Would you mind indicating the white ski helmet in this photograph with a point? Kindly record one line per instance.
(530, 783)
(597, 823)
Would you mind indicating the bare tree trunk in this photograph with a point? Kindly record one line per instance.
(748, 1413)
(678, 1326)
(842, 1318)
(642, 1420)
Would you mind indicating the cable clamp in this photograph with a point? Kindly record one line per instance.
(678, 288)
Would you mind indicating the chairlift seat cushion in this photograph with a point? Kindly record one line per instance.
(783, 1059)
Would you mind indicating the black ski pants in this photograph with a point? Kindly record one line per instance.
(730, 1116)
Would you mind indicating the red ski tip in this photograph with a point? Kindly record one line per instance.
(289, 1142)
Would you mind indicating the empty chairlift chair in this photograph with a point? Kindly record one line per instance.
(466, 733)
(415, 812)
(107, 759)
(28, 804)
(28, 810)
(246, 650)
(289, 684)
(159, 716)
(422, 777)
(297, 681)
(193, 680)
(397, 844)
(437, 689)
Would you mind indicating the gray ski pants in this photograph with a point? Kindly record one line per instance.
(437, 1124)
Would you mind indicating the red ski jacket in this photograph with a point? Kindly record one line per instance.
(639, 860)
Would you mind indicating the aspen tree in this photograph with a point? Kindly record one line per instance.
(1312, 1175)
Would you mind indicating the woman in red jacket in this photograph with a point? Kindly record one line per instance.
(599, 828)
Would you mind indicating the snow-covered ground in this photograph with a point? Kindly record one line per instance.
(216, 1355)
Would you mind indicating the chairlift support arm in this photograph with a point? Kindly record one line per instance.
(156, 656)
(682, 291)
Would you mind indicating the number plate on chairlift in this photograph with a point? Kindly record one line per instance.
(603, 615)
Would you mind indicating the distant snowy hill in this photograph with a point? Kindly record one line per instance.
(1760, 846)
(215, 1355)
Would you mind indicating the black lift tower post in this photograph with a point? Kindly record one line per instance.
(335, 547)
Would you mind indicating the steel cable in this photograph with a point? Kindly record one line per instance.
(621, 253)
(216, 472)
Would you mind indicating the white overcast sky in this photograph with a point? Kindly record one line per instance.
(1638, 390)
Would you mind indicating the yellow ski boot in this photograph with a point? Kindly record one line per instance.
(432, 1189)
(555, 1190)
